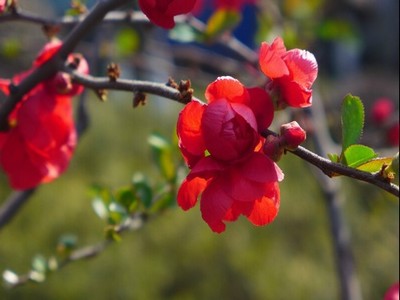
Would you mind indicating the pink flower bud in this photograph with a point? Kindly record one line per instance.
(292, 135)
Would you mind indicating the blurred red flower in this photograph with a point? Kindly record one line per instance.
(162, 12)
(39, 144)
(3, 5)
(292, 73)
(220, 142)
(392, 293)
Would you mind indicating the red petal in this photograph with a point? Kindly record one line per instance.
(262, 106)
(247, 114)
(205, 168)
(214, 118)
(261, 169)
(47, 52)
(266, 209)
(228, 88)
(190, 191)
(303, 67)
(189, 128)
(4, 84)
(214, 205)
(261, 211)
(293, 94)
(178, 7)
(271, 61)
(156, 12)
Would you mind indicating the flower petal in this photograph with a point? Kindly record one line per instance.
(205, 168)
(189, 128)
(266, 209)
(293, 94)
(214, 204)
(303, 67)
(228, 88)
(190, 191)
(262, 107)
(261, 169)
(271, 61)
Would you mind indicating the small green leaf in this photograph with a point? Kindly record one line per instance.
(100, 208)
(333, 157)
(127, 41)
(142, 189)
(67, 242)
(352, 120)
(127, 198)
(183, 33)
(375, 165)
(117, 213)
(39, 264)
(162, 154)
(355, 155)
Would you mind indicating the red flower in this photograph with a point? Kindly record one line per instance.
(42, 137)
(292, 73)
(162, 12)
(392, 293)
(381, 110)
(220, 141)
(3, 5)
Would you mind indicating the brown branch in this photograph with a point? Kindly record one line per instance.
(104, 83)
(12, 205)
(331, 169)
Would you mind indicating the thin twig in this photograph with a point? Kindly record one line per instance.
(13, 204)
(104, 83)
(331, 169)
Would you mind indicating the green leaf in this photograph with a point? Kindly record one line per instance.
(162, 154)
(127, 41)
(375, 165)
(333, 157)
(127, 198)
(100, 208)
(117, 213)
(39, 264)
(142, 189)
(352, 120)
(183, 33)
(355, 155)
(67, 242)
(221, 21)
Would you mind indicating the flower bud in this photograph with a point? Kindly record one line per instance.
(292, 135)
(273, 148)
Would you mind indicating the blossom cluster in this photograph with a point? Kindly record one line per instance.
(231, 169)
(41, 138)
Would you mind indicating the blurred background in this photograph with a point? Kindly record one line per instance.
(175, 255)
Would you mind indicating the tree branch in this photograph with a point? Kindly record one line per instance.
(104, 83)
(331, 169)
